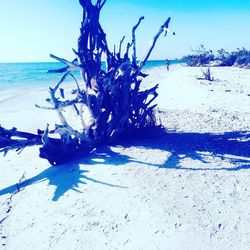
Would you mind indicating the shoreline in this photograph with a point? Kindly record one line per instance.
(178, 89)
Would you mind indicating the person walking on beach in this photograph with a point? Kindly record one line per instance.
(167, 64)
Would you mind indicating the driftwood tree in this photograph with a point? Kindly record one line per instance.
(108, 101)
(206, 75)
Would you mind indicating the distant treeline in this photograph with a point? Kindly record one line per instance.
(204, 57)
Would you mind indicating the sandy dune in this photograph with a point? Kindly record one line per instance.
(185, 189)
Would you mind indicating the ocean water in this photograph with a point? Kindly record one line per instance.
(28, 74)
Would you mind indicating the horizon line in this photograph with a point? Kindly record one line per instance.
(176, 59)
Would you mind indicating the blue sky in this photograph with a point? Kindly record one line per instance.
(31, 29)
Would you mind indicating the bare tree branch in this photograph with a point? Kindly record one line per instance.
(72, 65)
(134, 40)
(153, 42)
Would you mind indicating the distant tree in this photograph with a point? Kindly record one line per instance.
(243, 58)
(204, 57)
(225, 58)
(240, 57)
(201, 57)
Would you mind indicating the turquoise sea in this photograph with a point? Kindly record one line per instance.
(27, 74)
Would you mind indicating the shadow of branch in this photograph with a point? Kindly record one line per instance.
(64, 177)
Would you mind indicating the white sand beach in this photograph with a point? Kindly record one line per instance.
(187, 189)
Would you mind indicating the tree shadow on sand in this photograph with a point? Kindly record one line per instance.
(64, 177)
(233, 147)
